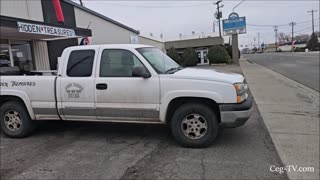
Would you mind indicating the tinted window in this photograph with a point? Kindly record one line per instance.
(80, 63)
(118, 63)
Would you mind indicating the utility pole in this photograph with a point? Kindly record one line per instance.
(276, 37)
(292, 24)
(219, 14)
(258, 41)
(312, 11)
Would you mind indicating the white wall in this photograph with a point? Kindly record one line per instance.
(25, 9)
(103, 32)
(41, 56)
(151, 42)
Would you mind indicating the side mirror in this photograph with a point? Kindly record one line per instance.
(140, 72)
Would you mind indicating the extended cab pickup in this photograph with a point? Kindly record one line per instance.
(126, 83)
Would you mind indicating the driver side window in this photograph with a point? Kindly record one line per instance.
(118, 63)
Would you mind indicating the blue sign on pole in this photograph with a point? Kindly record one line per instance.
(234, 25)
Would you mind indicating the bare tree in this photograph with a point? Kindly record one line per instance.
(302, 37)
(283, 37)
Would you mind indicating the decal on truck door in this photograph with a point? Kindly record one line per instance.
(74, 90)
(17, 83)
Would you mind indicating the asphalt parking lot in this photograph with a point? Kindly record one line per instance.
(90, 150)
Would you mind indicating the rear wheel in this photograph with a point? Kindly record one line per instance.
(194, 125)
(15, 120)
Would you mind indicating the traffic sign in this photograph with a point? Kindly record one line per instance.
(234, 25)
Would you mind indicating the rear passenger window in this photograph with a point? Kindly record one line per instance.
(80, 63)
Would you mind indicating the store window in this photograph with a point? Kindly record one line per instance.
(16, 53)
(21, 55)
(4, 53)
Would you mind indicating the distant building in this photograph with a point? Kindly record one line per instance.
(270, 47)
(288, 46)
(200, 45)
(152, 41)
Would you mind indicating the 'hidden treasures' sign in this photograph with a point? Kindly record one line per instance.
(45, 30)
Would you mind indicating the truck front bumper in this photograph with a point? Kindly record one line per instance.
(235, 115)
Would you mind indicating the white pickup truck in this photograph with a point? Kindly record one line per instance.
(126, 83)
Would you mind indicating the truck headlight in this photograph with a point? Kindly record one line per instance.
(241, 90)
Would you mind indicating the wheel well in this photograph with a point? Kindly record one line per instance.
(6, 98)
(175, 103)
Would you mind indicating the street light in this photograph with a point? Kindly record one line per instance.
(238, 5)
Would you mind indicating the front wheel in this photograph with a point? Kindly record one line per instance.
(194, 125)
(15, 120)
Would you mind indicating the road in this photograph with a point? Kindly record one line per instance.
(90, 150)
(300, 67)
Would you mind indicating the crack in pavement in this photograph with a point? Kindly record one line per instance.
(132, 171)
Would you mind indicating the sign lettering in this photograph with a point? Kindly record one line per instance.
(234, 25)
(46, 30)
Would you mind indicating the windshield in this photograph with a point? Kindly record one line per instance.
(159, 60)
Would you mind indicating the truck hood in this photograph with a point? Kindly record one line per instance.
(208, 74)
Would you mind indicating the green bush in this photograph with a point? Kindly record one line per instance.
(189, 57)
(172, 53)
(218, 54)
(229, 50)
(313, 43)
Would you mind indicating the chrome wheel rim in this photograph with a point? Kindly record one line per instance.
(194, 126)
(12, 120)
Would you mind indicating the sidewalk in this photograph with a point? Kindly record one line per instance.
(290, 112)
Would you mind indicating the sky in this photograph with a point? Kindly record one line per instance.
(172, 18)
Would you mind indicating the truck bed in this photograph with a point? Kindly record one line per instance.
(38, 90)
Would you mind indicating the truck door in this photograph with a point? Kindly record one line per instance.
(77, 88)
(121, 97)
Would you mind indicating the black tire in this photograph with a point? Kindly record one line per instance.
(199, 109)
(26, 126)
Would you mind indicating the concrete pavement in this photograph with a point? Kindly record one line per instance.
(290, 112)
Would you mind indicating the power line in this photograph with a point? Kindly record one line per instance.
(303, 30)
(265, 25)
(143, 6)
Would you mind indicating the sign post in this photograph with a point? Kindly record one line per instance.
(235, 51)
(234, 25)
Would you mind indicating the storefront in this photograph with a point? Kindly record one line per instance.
(200, 45)
(24, 43)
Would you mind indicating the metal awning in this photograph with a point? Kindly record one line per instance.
(23, 29)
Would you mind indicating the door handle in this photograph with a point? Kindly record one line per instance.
(101, 86)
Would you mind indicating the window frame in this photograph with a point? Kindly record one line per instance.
(100, 57)
(92, 70)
